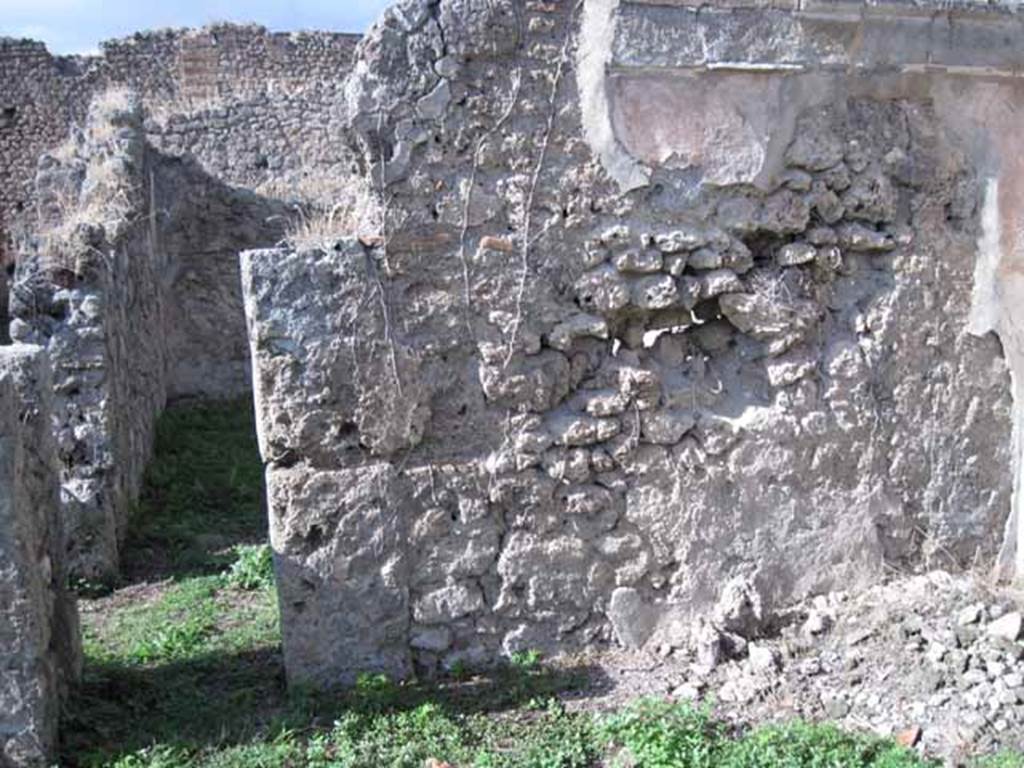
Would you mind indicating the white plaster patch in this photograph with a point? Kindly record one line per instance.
(595, 51)
(721, 123)
(997, 304)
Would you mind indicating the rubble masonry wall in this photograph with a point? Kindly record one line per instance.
(666, 296)
(251, 108)
(39, 643)
(110, 287)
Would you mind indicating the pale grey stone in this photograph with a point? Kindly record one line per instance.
(577, 327)
(717, 282)
(434, 639)
(705, 258)
(972, 614)
(632, 619)
(858, 237)
(708, 641)
(433, 105)
(644, 261)
(448, 603)
(1008, 627)
(794, 254)
(603, 290)
(681, 239)
(666, 427)
(763, 658)
(740, 608)
(654, 292)
(816, 623)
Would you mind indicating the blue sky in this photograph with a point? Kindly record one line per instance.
(77, 26)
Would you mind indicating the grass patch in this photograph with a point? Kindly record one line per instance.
(649, 734)
(1002, 760)
(202, 494)
(183, 668)
(253, 567)
(187, 654)
(657, 734)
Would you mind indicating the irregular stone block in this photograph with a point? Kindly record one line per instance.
(577, 327)
(1009, 627)
(340, 555)
(603, 290)
(632, 620)
(535, 383)
(292, 361)
(666, 427)
(606, 403)
(447, 604)
(705, 258)
(681, 239)
(433, 105)
(655, 292)
(857, 237)
(871, 197)
(434, 639)
(718, 282)
(575, 430)
(794, 254)
(639, 261)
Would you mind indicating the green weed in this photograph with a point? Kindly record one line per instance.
(658, 734)
(525, 659)
(806, 745)
(253, 567)
(1002, 760)
(203, 494)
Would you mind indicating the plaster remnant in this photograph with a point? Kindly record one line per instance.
(594, 55)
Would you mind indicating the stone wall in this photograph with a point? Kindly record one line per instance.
(246, 107)
(90, 293)
(124, 285)
(246, 103)
(39, 644)
(645, 317)
(202, 224)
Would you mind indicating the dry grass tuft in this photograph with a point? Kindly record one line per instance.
(92, 193)
(328, 208)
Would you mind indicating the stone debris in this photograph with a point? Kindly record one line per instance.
(919, 659)
(740, 608)
(632, 620)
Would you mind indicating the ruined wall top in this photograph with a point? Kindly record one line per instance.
(279, 87)
(188, 61)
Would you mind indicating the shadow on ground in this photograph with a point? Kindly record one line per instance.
(202, 494)
(222, 700)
